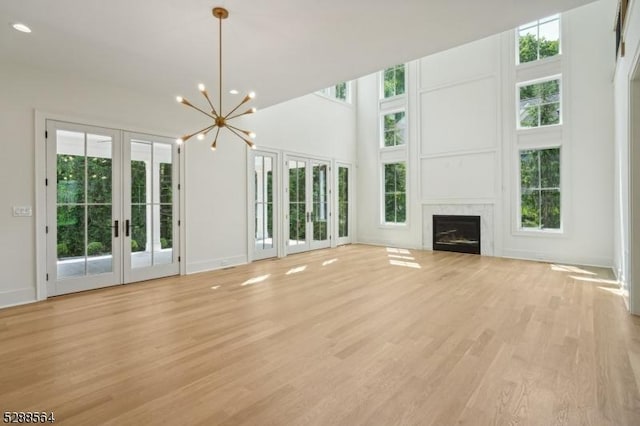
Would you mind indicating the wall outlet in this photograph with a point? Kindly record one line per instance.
(22, 211)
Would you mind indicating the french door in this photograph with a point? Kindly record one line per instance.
(111, 209)
(263, 192)
(150, 213)
(308, 208)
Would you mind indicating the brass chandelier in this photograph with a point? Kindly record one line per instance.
(220, 119)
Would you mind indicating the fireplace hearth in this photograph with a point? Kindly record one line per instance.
(456, 233)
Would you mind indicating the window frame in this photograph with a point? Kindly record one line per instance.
(382, 131)
(396, 95)
(539, 230)
(331, 93)
(383, 194)
(545, 79)
(547, 19)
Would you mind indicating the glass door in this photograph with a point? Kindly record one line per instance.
(83, 207)
(319, 212)
(297, 205)
(150, 208)
(307, 204)
(343, 201)
(263, 195)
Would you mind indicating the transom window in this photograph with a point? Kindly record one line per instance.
(340, 91)
(539, 104)
(539, 39)
(540, 189)
(393, 82)
(395, 190)
(394, 127)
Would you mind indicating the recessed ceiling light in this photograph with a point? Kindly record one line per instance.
(233, 91)
(22, 28)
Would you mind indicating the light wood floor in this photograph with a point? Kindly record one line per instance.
(357, 335)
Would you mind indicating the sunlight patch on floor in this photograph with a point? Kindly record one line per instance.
(613, 290)
(413, 265)
(256, 280)
(296, 270)
(397, 250)
(215, 287)
(572, 269)
(395, 256)
(329, 262)
(594, 280)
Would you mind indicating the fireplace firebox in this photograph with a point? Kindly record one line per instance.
(456, 233)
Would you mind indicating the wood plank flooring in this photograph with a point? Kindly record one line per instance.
(357, 335)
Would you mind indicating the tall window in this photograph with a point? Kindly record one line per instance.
(394, 128)
(393, 81)
(539, 39)
(340, 91)
(395, 193)
(540, 189)
(539, 104)
(343, 202)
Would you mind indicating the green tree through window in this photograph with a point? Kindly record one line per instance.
(394, 81)
(539, 39)
(395, 190)
(540, 188)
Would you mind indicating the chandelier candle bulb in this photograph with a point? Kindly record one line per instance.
(201, 87)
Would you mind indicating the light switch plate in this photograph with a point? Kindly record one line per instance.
(22, 211)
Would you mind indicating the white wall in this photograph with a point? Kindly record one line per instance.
(215, 184)
(462, 138)
(587, 150)
(622, 216)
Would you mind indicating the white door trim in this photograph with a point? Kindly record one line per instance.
(40, 122)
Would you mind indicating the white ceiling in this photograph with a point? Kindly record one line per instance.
(279, 48)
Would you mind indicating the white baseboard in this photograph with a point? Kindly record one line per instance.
(17, 297)
(215, 264)
(381, 243)
(599, 262)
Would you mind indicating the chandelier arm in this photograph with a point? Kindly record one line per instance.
(215, 140)
(248, 142)
(205, 130)
(213, 109)
(246, 132)
(236, 108)
(249, 111)
(198, 109)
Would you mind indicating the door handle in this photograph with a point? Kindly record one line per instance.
(126, 228)
(116, 228)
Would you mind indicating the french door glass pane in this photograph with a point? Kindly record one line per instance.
(84, 204)
(163, 207)
(70, 244)
(343, 202)
(320, 202)
(297, 202)
(263, 180)
(141, 211)
(151, 203)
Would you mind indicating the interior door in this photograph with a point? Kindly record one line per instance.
(84, 249)
(151, 207)
(263, 193)
(308, 207)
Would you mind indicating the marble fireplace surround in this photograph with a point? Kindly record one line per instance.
(485, 211)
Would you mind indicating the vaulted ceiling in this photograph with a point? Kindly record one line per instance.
(279, 48)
